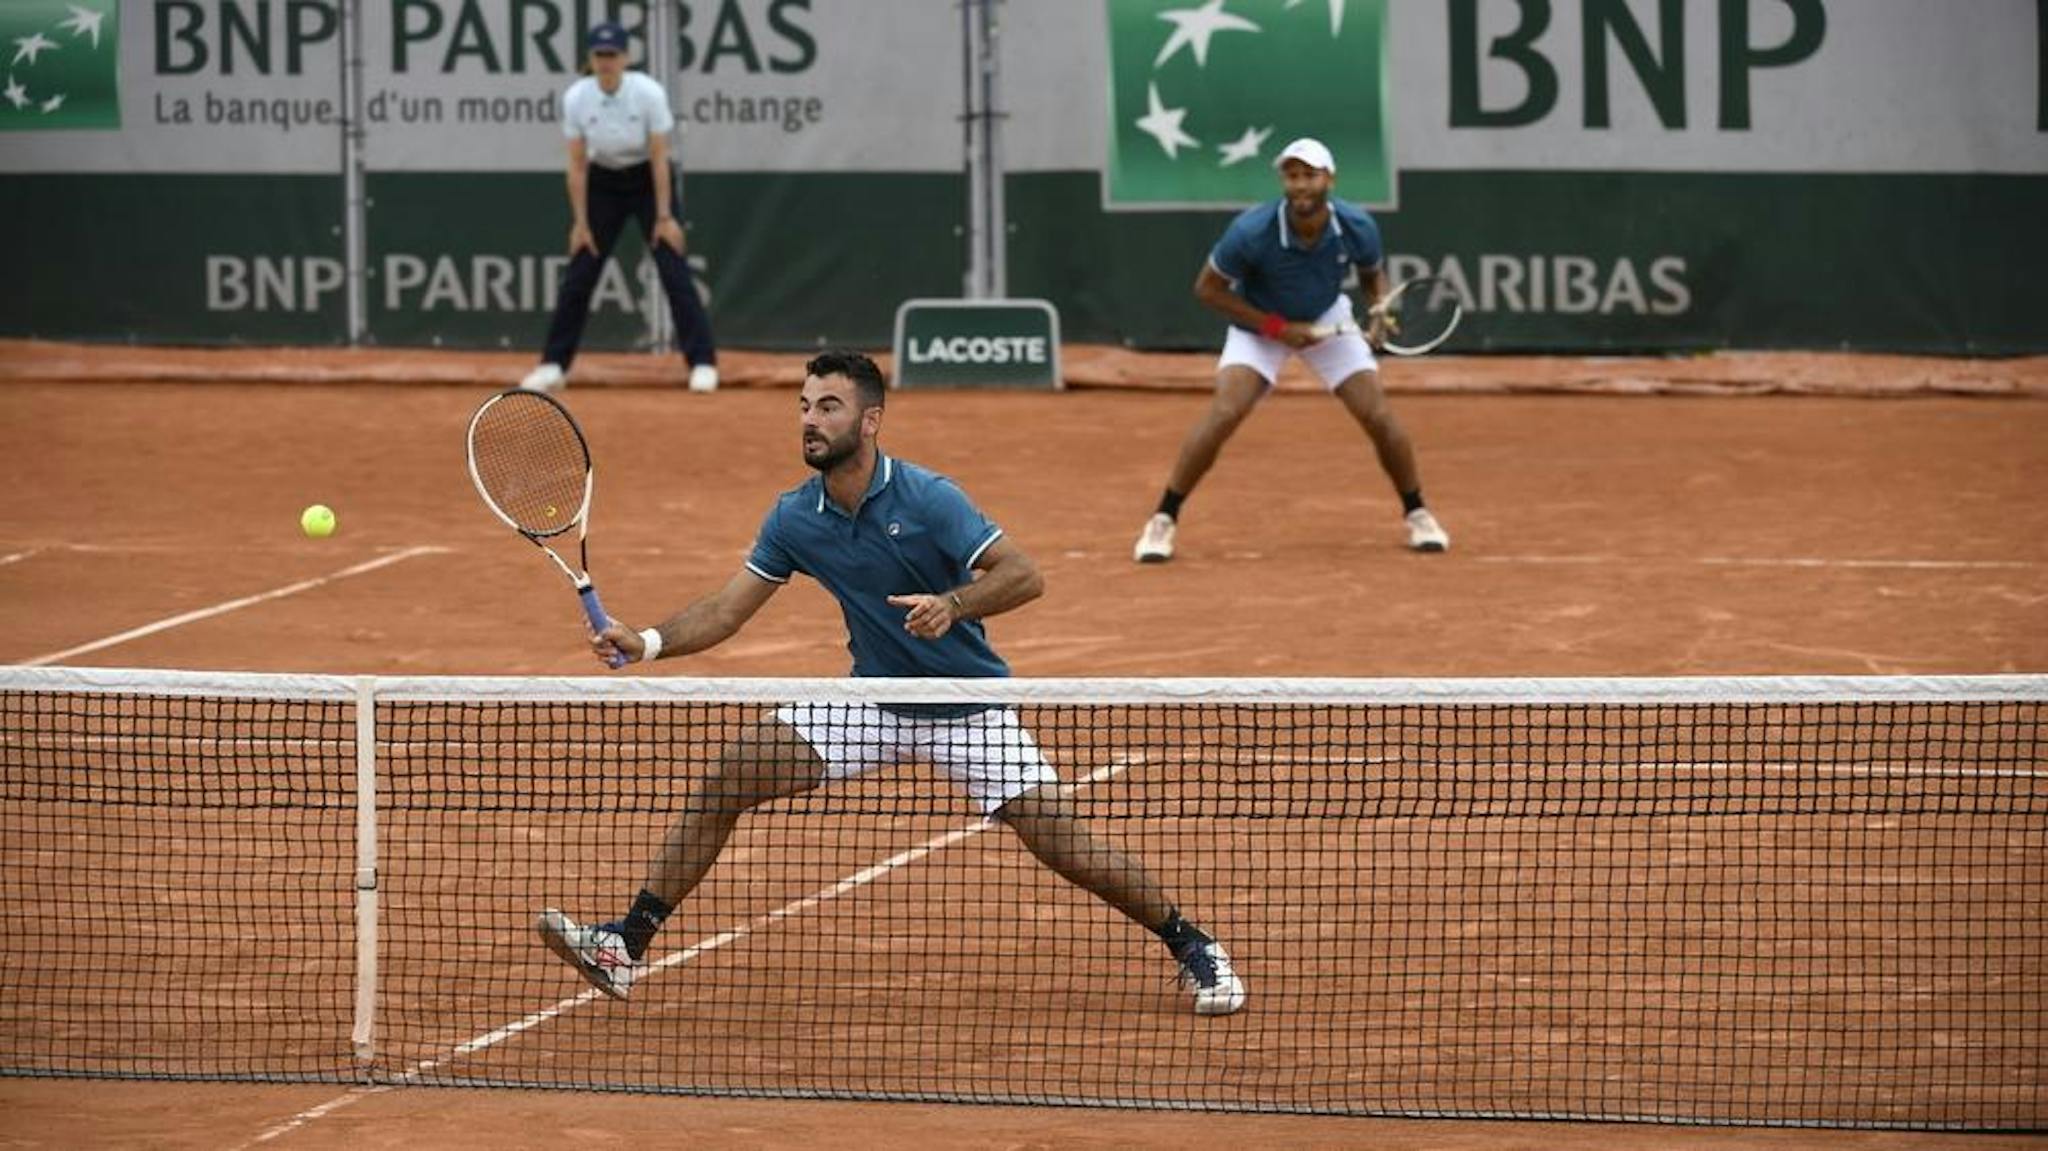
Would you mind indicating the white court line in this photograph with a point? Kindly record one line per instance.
(231, 605)
(705, 946)
(17, 557)
(1767, 562)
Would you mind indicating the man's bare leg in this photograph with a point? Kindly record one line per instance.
(1367, 402)
(1238, 391)
(1045, 820)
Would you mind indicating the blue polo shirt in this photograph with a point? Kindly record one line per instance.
(914, 531)
(1275, 273)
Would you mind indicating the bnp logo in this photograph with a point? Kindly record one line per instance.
(60, 65)
(1205, 93)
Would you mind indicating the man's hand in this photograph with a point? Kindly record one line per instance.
(1297, 335)
(581, 240)
(619, 640)
(1377, 329)
(668, 231)
(930, 616)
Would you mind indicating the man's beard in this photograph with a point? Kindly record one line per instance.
(836, 451)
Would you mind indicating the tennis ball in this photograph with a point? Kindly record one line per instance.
(318, 521)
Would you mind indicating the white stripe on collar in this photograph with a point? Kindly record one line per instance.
(888, 473)
(1280, 217)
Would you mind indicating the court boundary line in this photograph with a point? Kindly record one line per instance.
(704, 946)
(1767, 562)
(231, 606)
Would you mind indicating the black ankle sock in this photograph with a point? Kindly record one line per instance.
(1169, 503)
(1411, 501)
(642, 922)
(1179, 933)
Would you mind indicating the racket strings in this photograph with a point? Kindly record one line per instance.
(530, 463)
(1421, 314)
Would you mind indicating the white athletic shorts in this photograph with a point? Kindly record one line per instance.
(989, 753)
(1333, 360)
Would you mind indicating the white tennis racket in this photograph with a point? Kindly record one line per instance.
(532, 467)
(1416, 316)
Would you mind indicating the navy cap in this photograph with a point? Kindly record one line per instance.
(607, 38)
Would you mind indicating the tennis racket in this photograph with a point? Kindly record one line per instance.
(532, 467)
(1416, 316)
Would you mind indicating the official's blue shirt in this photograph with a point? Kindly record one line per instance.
(1275, 273)
(914, 531)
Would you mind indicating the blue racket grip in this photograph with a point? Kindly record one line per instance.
(598, 620)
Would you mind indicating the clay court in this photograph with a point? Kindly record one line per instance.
(1735, 515)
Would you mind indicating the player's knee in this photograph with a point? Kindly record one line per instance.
(741, 780)
(1226, 415)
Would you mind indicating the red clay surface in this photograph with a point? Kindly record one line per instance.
(1594, 535)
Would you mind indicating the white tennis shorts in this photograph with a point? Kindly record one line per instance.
(1333, 360)
(988, 753)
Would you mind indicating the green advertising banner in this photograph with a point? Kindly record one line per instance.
(1203, 98)
(62, 65)
(195, 259)
(474, 259)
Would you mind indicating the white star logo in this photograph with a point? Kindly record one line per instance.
(84, 22)
(1244, 147)
(53, 103)
(15, 93)
(1163, 124)
(1193, 27)
(1336, 15)
(29, 47)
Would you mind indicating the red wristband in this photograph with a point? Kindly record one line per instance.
(1272, 326)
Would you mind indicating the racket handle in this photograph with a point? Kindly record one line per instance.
(598, 619)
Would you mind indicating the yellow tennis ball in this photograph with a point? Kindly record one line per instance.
(317, 521)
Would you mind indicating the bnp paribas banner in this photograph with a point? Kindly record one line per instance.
(256, 86)
(1204, 95)
(62, 65)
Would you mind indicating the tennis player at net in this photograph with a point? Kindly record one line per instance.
(899, 548)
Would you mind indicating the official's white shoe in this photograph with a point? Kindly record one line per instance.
(546, 378)
(1206, 972)
(1155, 543)
(598, 953)
(704, 378)
(1425, 534)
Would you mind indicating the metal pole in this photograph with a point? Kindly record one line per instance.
(355, 204)
(975, 285)
(661, 57)
(995, 228)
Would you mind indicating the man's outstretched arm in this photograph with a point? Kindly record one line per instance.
(706, 623)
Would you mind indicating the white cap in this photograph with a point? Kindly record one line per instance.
(1310, 151)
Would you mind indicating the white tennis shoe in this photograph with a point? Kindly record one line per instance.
(704, 378)
(598, 953)
(1206, 972)
(1425, 534)
(546, 378)
(1155, 543)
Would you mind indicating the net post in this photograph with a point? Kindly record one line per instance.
(362, 1038)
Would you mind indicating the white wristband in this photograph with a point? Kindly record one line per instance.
(652, 638)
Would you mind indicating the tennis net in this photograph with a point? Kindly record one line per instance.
(1810, 901)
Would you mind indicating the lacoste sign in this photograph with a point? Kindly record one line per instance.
(977, 344)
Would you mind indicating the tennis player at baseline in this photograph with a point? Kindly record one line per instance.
(899, 548)
(1278, 272)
